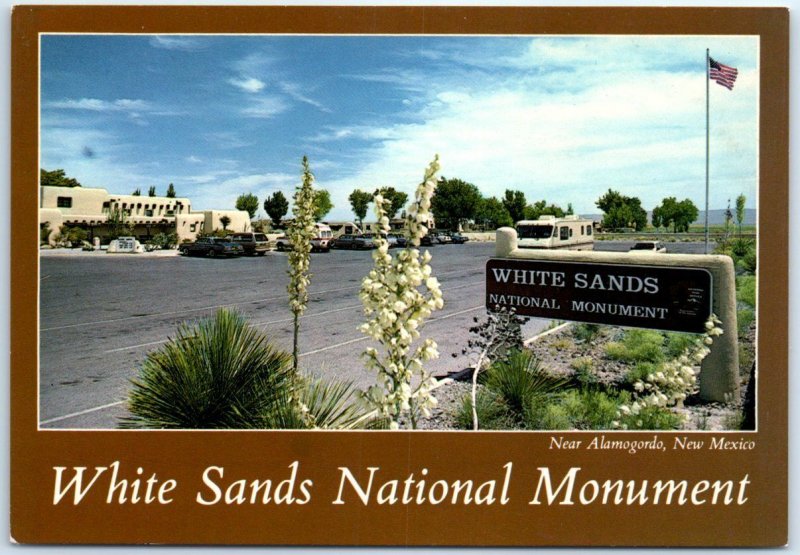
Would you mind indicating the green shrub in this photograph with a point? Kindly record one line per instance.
(520, 379)
(590, 410)
(584, 371)
(652, 418)
(746, 290)
(639, 371)
(165, 240)
(677, 343)
(553, 417)
(740, 247)
(585, 332)
(748, 262)
(492, 412)
(637, 345)
(218, 373)
(744, 318)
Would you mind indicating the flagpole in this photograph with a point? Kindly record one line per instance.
(708, 77)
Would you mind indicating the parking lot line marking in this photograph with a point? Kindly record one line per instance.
(81, 413)
(188, 310)
(285, 320)
(308, 353)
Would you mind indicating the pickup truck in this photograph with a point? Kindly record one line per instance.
(212, 247)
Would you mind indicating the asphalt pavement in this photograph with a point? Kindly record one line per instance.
(101, 314)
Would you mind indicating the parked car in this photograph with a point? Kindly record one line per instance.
(211, 246)
(391, 239)
(651, 246)
(441, 237)
(252, 243)
(353, 242)
(458, 239)
(399, 240)
(282, 243)
(427, 241)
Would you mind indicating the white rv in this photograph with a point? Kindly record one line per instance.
(548, 232)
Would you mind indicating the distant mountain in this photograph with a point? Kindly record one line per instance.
(715, 217)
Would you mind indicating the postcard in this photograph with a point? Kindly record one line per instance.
(399, 276)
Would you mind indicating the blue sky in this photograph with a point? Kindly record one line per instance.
(560, 118)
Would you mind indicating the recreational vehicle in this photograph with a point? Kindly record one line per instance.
(549, 232)
(343, 228)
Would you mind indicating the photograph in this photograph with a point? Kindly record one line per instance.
(399, 276)
(295, 232)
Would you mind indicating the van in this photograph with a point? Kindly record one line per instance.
(548, 232)
(252, 243)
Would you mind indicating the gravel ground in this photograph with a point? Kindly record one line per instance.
(561, 351)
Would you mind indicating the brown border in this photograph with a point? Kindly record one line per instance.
(761, 521)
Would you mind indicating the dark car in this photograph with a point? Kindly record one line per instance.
(399, 240)
(353, 242)
(252, 243)
(458, 239)
(427, 241)
(211, 246)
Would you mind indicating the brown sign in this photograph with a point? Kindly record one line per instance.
(658, 297)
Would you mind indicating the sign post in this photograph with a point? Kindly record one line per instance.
(645, 290)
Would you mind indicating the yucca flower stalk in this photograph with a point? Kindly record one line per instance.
(301, 231)
(676, 379)
(398, 294)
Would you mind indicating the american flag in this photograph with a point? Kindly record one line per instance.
(722, 74)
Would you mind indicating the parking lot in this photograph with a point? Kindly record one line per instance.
(101, 314)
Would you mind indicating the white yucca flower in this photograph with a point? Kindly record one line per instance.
(398, 294)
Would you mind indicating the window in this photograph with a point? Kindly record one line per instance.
(570, 232)
(64, 202)
(193, 227)
(563, 233)
(148, 212)
(588, 230)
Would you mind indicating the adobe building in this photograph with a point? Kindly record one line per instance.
(89, 208)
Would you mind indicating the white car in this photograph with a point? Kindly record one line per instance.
(648, 246)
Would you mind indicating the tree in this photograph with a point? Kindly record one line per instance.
(454, 202)
(492, 213)
(621, 211)
(676, 214)
(359, 201)
(56, 178)
(225, 221)
(151, 192)
(276, 208)
(118, 224)
(396, 200)
(247, 202)
(541, 208)
(137, 192)
(322, 203)
(515, 203)
(171, 191)
(740, 200)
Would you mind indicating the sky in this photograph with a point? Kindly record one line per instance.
(560, 118)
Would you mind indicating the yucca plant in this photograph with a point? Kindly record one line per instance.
(520, 379)
(335, 405)
(217, 373)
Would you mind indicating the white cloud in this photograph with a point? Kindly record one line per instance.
(295, 91)
(173, 42)
(97, 105)
(193, 159)
(265, 107)
(643, 134)
(250, 84)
